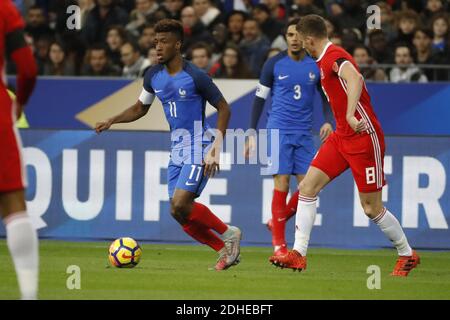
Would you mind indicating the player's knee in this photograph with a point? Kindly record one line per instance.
(308, 189)
(371, 209)
(179, 208)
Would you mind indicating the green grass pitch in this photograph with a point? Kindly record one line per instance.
(181, 272)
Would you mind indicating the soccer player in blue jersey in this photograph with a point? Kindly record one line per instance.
(291, 77)
(184, 90)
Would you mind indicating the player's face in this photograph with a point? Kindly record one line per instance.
(307, 43)
(167, 46)
(293, 40)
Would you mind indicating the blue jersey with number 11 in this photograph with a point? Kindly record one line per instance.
(292, 85)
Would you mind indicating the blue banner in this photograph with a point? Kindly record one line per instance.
(83, 185)
(403, 109)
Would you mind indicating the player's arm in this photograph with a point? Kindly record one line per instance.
(262, 92)
(133, 113)
(327, 128)
(21, 54)
(212, 159)
(212, 94)
(355, 82)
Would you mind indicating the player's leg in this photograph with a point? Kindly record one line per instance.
(367, 169)
(198, 219)
(278, 221)
(281, 157)
(22, 241)
(21, 236)
(303, 155)
(327, 165)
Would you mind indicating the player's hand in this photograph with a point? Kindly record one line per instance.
(250, 147)
(325, 131)
(211, 161)
(357, 125)
(102, 126)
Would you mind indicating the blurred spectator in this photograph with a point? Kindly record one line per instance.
(174, 7)
(200, 55)
(387, 20)
(278, 11)
(23, 6)
(332, 27)
(140, 15)
(194, 30)
(304, 7)
(273, 52)
(254, 46)
(336, 39)
(152, 57)
(57, 63)
(271, 27)
(208, 14)
(407, 22)
(232, 65)
(115, 38)
(105, 14)
(98, 64)
(134, 64)
(85, 6)
(378, 45)
(220, 39)
(432, 7)
(147, 38)
(353, 15)
(235, 24)
(440, 24)
(366, 64)
(351, 38)
(36, 23)
(41, 49)
(405, 71)
(425, 55)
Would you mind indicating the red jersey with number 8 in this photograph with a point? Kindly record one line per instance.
(363, 153)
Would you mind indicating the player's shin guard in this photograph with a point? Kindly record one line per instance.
(291, 207)
(22, 241)
(203, 235)
(389, 224)
(278, 218)
(202, 215)
(304, 222)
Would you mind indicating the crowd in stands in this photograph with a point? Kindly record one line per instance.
(233, 38)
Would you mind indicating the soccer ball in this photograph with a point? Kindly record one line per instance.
(124, 253)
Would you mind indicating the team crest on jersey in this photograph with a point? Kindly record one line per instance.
(312, 76)
(182, 92)
(322, 76)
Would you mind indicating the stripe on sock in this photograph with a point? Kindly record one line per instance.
(380, 216)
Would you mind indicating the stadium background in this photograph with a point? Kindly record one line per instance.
(84, 186)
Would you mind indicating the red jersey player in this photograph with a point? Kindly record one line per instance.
(21, 237)
(357, 143)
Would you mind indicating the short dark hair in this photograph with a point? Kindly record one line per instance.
(98, 46)
(133, 45)
(171, 26)
(312, 25)
(425, 31)
(404, 45)
(292, 22)
(361, 46)
(200, 45)
(262, 7)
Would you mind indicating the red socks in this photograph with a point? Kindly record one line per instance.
(203, 235)
(281, 213)
(201, 220)
(278, 217)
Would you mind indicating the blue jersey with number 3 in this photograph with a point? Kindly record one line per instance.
(292, 85)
